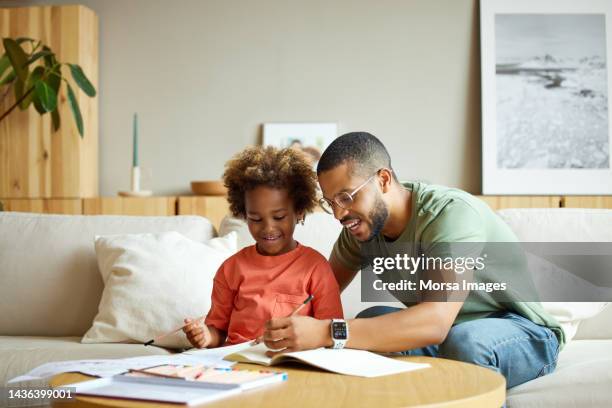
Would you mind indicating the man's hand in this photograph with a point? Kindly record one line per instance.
(197, 333)
(296, 333)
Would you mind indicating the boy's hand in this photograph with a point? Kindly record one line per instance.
(197, 333)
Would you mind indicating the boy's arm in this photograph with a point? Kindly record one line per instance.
(217, 337)
(222, 298)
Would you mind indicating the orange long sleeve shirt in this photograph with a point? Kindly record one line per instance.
(250, 289)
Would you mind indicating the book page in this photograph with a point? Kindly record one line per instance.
(255, 354)
(352, 362)
(346, 361)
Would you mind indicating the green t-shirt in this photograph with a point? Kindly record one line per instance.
(442, 215)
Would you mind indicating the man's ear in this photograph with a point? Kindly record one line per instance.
(385, 176)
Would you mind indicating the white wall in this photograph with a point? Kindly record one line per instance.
(205, 74)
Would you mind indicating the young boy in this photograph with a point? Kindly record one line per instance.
(273, 190)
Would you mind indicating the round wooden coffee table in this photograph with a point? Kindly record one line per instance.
(446, 383)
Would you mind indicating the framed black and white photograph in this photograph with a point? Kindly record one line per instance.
(546, 85)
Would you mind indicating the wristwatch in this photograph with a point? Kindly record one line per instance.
(339, 333)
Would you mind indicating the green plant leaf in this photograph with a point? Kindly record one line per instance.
(18, 58)
(47, 97)
(50, 59)
(54, 82)
(37, 56)
(81, 80)
(8, 78)
(55, 118)
(34, 77)
(54, 79)
(76, 112)
(38, 104)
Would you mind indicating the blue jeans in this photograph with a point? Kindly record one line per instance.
(505, 342)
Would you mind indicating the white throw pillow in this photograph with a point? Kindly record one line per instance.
(151, 283)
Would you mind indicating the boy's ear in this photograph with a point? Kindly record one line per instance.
(301, 216)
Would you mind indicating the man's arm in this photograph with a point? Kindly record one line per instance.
(344, 276)
(417, 326)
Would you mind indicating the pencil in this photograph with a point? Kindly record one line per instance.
(308, 299)
(158, 338)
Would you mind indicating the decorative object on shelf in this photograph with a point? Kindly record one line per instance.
(312, 138)
(135, 191)
(208, 188)
(546, 96)
(31, 70)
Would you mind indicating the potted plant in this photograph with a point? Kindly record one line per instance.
(30, 70)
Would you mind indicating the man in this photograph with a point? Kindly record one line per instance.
(518, 339)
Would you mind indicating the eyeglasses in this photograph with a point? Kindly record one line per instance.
(343, 199)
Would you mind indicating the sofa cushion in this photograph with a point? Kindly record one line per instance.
(20, 354)
(152, 282)
(567, 225)
(49, 279)
(598, 327)
(582, 379)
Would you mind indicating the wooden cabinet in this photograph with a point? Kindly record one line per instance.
(215, 208)
(160, 206)
(36, 162)
(587, 201)
(501, 202)
(46, 206)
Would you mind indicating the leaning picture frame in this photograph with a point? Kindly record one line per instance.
(311, 138)
(546, 84)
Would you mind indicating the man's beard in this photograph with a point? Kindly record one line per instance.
(378, 217)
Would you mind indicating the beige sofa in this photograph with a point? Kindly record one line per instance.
(50, 289)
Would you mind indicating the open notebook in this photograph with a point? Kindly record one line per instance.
(346, 361)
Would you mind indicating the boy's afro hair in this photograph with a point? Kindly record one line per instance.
(257, 166)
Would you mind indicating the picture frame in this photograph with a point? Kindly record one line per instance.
(312, 138)
(546, 84)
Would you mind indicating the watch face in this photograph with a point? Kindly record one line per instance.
(339, 330)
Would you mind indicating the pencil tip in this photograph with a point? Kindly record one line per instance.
(148, 343)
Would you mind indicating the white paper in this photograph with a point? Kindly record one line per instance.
(102, 368)
(345, 361)
(220, 352)
(110, 367)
